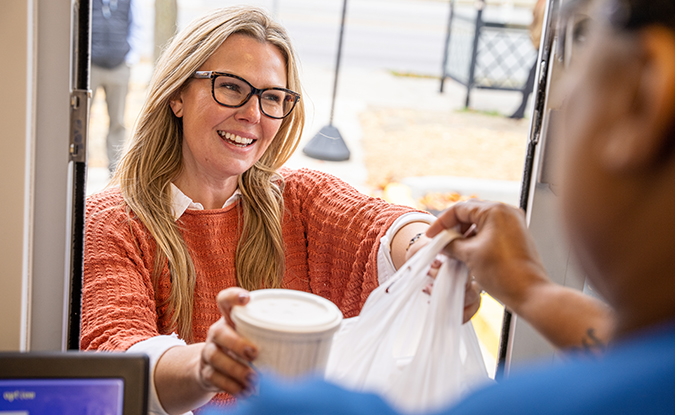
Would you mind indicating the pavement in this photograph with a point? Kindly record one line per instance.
(359, 89)
(380, 37)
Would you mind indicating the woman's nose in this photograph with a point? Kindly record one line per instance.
(250, 111)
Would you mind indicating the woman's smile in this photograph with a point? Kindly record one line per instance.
(236, 140)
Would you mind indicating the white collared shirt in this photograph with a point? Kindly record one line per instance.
(180, 202)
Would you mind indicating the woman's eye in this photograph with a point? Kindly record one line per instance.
(273, 98)
(229, 86)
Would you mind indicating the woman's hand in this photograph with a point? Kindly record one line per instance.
(472, 297)
(225, 359)
(187, 377)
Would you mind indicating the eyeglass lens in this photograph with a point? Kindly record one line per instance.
(234, 92)
(574, 26)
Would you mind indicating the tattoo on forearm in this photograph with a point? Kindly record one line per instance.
(591, 343)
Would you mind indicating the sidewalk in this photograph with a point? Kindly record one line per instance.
(394, 126)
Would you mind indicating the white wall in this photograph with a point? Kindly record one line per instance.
(34, 115)
(52, 129)
(15, 80)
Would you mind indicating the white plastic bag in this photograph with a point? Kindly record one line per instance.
(408, 346)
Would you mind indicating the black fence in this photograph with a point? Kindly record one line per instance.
(486, 55)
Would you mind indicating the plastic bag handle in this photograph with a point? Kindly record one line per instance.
(426, 255)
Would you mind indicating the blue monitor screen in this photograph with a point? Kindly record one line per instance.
(61, 396)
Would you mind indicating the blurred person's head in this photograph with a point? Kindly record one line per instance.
(618, 164)
(158, 151)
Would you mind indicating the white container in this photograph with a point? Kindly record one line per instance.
(292, 329)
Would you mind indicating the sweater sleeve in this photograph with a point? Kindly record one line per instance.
(118, 306)
(343, 228)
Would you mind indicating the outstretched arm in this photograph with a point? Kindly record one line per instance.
(502, 256)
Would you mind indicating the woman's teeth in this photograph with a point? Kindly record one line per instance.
(235, 139)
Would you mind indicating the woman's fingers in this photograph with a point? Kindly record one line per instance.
(428, 288)
(226, 338)
(229, 298)
(435, 266)
(225, 360)
(472, 297)
(219, 371)
(472, 300)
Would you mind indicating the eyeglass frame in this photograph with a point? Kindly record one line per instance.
(212, 75)
(620, 14)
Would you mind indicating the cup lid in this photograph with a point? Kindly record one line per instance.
(288, 311)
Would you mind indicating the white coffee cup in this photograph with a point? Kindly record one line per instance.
(292, 329)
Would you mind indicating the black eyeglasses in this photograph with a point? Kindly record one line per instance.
(234, 91)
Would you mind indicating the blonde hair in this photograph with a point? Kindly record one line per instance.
(154, 158)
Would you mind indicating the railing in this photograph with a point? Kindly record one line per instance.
(486, 55)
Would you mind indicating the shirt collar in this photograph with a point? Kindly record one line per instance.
(180, 202)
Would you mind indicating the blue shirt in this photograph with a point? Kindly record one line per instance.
(637, 376)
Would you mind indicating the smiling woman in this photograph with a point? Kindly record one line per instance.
(221, 142)
(200, 202)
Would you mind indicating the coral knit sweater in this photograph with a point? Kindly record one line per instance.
(331, 233)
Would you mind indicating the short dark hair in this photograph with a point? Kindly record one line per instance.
(636, 14)
(633, 15)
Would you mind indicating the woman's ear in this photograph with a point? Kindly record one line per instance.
(176, 104)
(641, 137)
